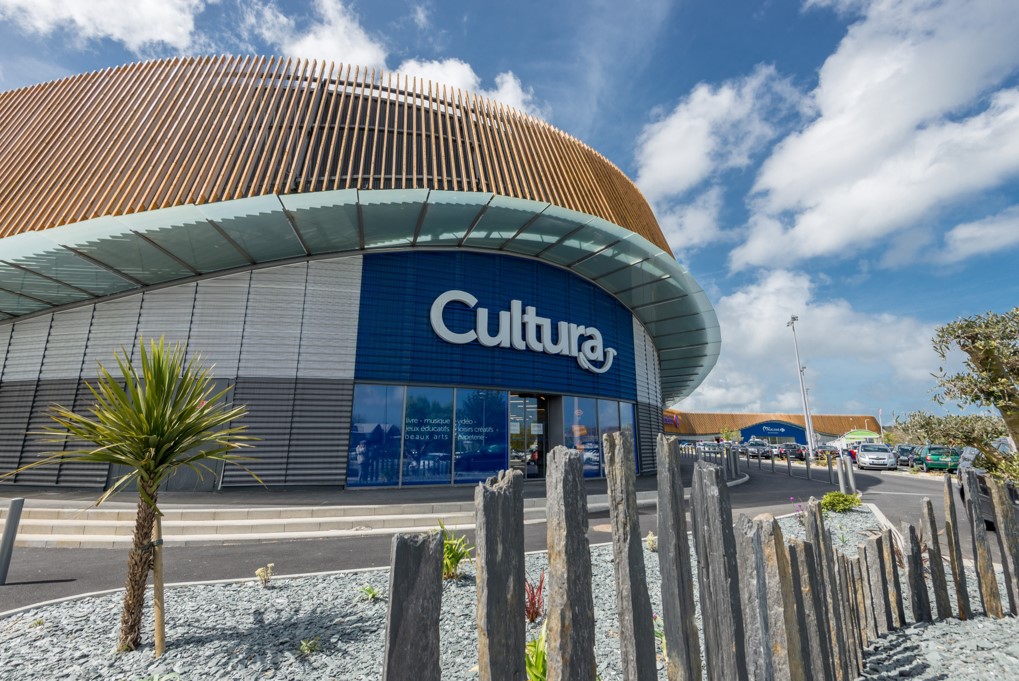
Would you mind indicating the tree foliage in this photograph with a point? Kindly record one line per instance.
(991, 344)
(731, 435)
(156, 417)
(958, 430)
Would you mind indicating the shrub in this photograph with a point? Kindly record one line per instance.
(652, 542)
(455, 550)
(838, 502)
(264, 574)
(534, 598)
(535, 659)
(370, 594)
(310, 646)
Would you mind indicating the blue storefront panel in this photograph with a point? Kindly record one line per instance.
(780, 430)
(398, 344)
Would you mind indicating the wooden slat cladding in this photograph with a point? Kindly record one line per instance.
(201, 130)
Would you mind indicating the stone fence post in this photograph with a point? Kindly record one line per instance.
(415, 599)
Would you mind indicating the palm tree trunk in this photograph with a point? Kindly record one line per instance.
(138, 563)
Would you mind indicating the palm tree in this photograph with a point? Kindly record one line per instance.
(151, 421)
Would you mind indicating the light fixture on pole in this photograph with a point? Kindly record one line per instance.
(803, 391)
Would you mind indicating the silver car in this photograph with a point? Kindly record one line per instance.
(874, 455)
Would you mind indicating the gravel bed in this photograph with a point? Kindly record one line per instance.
(244, 631)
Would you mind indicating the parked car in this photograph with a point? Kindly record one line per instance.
(986, 505)
(826, 451)
(905, 454)
(937, 457)
(874, 455)
(850, 450)
(758, 449)
(792, 450)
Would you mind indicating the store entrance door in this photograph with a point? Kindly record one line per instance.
(528, 437)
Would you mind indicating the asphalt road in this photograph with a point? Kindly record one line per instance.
(38, 575)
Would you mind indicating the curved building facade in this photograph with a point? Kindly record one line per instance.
(404, 283)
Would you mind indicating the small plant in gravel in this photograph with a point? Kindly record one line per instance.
(839, 502)
(660, 635)
(264, 574)
(535, 660)
(310, 646)
(172, 676)
(534, 598)
(652, 542)
(798, 512)
(37, 623)
(455, 550)
(370, 594)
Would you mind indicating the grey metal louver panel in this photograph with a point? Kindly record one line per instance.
(640, 343)
(15, 409)
(166, 313)
(5, 340)
(36, 444)
(73, 473)
(270, 404)
(24, 354)
(217, 324)
(331, 309)
(65, 349)
(320, 432)
(113, 329)
(272, 327)
(649, 424)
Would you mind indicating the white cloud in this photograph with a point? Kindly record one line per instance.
(421, 17)
(909, 121)
(694, 224)
(985, 236)
(138, 24)
(459, 74)
(848, 353)
(711, 129)
(335, 34)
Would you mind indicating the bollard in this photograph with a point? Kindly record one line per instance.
(851, 475)
(831, 479)
(842, 474)
(10, 532)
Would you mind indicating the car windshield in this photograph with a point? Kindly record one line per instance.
(874, 448)
(944, 451)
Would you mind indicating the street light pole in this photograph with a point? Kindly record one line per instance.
(803, 390)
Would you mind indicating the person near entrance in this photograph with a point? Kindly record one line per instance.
(537, 456)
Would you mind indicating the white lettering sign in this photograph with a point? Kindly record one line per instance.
(521, 328)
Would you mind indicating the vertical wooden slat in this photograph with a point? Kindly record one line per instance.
(375, 141)
(339, 134)
(251, 140)
(298, 130)
(355, 134)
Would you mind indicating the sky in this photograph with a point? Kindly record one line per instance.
(851, 162)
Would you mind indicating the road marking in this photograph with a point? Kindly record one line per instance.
(908, 494)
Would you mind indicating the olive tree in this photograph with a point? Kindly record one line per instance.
(958, 430)
(990, 343)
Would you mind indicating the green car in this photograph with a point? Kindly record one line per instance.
(936, 457)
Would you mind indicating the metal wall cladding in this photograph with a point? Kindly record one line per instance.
(284, 339)
(217, 323)
(396, 343)
(649, 424)
(645, 358)
(166, 313)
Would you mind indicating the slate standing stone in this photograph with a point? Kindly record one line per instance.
(1007, 532)
(750, 563)
(877, 574)
(934, 560)
(787, 654)
(679, 621)
(814, 628)
(711, 515)
(569, 641)
(819, 537)
(854, 642)
(888, 545)
(919, 601)
(864, 607)
(987, 581)
(636, 627)
(502, 632)
(415, 599)
(955, 552)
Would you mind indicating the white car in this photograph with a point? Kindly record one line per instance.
(873, 455)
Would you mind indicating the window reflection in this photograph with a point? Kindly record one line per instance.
(580, 431)
(375, 434)
(428, 436)
(482, 441)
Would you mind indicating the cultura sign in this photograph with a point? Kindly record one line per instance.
(521, 328)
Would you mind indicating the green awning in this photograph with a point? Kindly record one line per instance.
(860, 435)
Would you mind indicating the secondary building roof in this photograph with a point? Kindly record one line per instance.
(692, 423)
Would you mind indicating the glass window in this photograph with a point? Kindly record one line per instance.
(626, 424)
(608, 422)
(580, 431)
(376, 431)
(482, 434)
(428, 436)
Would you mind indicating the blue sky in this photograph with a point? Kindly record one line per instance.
(853, 162)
